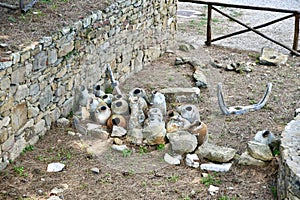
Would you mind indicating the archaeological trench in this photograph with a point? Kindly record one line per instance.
(49, 79)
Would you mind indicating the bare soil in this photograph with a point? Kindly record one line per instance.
(144, 174)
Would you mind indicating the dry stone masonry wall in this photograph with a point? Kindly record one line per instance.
(289, 169)
(37, 84)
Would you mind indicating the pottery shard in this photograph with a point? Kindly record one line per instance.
(259, 151)
(216, 153)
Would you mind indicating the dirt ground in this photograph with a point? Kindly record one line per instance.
(144, 174)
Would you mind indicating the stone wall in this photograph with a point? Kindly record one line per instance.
(37, 84)
(288, 183)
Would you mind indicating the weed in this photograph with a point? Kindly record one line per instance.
(70, 115)
(158, 183)
(173, 178)
(131, 172)
(171, 78)
(12, 19)
(160, 147)
(27, 148)
(109, 90)
(186, 197)
(143, 150)
(226, 198)
(210, 180)
(144, 184)
(274, 191)
(20, 171)
(126, 152)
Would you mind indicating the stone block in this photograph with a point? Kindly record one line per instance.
(19, 116)
(4, 83)
(46, 98)
(39, 127)
(22, 92)
(65, 48)
(40, 61)
(181, 95)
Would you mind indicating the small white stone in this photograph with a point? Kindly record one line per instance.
(55, 167)
(213, 190)
(119, 147)
(171, 160)
(224, 167)
(95, 170)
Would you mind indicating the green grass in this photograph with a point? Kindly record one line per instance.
(210, 180)
(126, 152)
(20, 170)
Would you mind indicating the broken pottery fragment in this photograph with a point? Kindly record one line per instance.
(137, 116)
(107, 98)
(102, 114)
(120, 107)
(154, 131)
(83, 96)
(139, 92)
(200, 130)
(182, 142)
(264, 137)
(159, 101)
(117, 120)
(97, 91)
(189, 112)
(176, 122)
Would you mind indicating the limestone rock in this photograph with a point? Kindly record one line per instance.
(224, 167)
(55, 167)
(272, 57)
(200, 79)
(171, 160)
(213, 190)
(155, 134)
(182, 142)
(246, 159)
(119, 147)
(192, 160)
(259, 151)
(59, 189)
(190, 95)
(63, 122)
(95, 170)
(135, 136)
(216, 153)
(118, 131)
